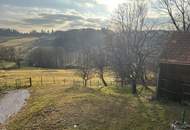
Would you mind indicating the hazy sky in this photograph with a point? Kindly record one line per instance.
(27, 15)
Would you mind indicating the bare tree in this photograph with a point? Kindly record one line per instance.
(85, 65)
(100, 63)
(178, 11)
(131, 46)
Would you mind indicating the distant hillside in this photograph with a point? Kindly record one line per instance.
(7, 34)
(73, 40)
(23, 45)
(64, 46)
(19, 42)
(70, 42)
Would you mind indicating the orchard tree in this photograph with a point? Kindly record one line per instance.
(85, 65)
(100, 63)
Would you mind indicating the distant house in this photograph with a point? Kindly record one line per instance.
(174, 70)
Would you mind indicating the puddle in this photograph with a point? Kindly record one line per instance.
(11, 103)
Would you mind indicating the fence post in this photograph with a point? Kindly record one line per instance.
(64, 82)
(41, 81)
(54, 80)
(16, 83)
(30, 80)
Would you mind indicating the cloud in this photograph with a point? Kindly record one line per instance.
(27, 15)
(83, 6)
(30, 18)
(72, 20)
(44, 19)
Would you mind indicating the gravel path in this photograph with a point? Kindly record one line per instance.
(11, 103)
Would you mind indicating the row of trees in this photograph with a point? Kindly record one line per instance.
(51, 57)
(10, 54)
(9, 32)
(46, 57)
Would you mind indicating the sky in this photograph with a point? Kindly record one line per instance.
(28, 15)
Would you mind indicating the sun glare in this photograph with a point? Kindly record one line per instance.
(111, 4)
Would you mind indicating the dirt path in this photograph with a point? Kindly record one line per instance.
(11, 103)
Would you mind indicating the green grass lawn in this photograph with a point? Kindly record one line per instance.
(57, 107)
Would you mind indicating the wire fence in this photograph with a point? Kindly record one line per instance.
(43, 81)
(8, 83)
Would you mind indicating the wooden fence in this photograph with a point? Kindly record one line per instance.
(6, 83)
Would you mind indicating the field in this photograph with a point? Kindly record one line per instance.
(44, 77)
(58, 106)
(22, 46)
(16, 42)
(7, 38)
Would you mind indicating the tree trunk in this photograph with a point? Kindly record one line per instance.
(85, 83)
(134, 86)
(103, 80)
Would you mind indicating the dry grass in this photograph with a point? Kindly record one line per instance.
(18, 42)
(59, 107)
(22, 44)
(42, 77)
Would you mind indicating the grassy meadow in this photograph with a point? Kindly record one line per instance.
(18, 42)
(58, 106)
(44, 77)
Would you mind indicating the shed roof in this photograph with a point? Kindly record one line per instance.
(177, 49)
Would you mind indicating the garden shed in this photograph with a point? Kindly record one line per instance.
(174, 68)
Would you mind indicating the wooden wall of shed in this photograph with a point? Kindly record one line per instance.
(176, 72)
(174, 81)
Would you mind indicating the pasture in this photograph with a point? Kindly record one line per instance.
(44, 77)
(57, 105)
(18, 42)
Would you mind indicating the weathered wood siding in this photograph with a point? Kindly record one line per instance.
(174, 82)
